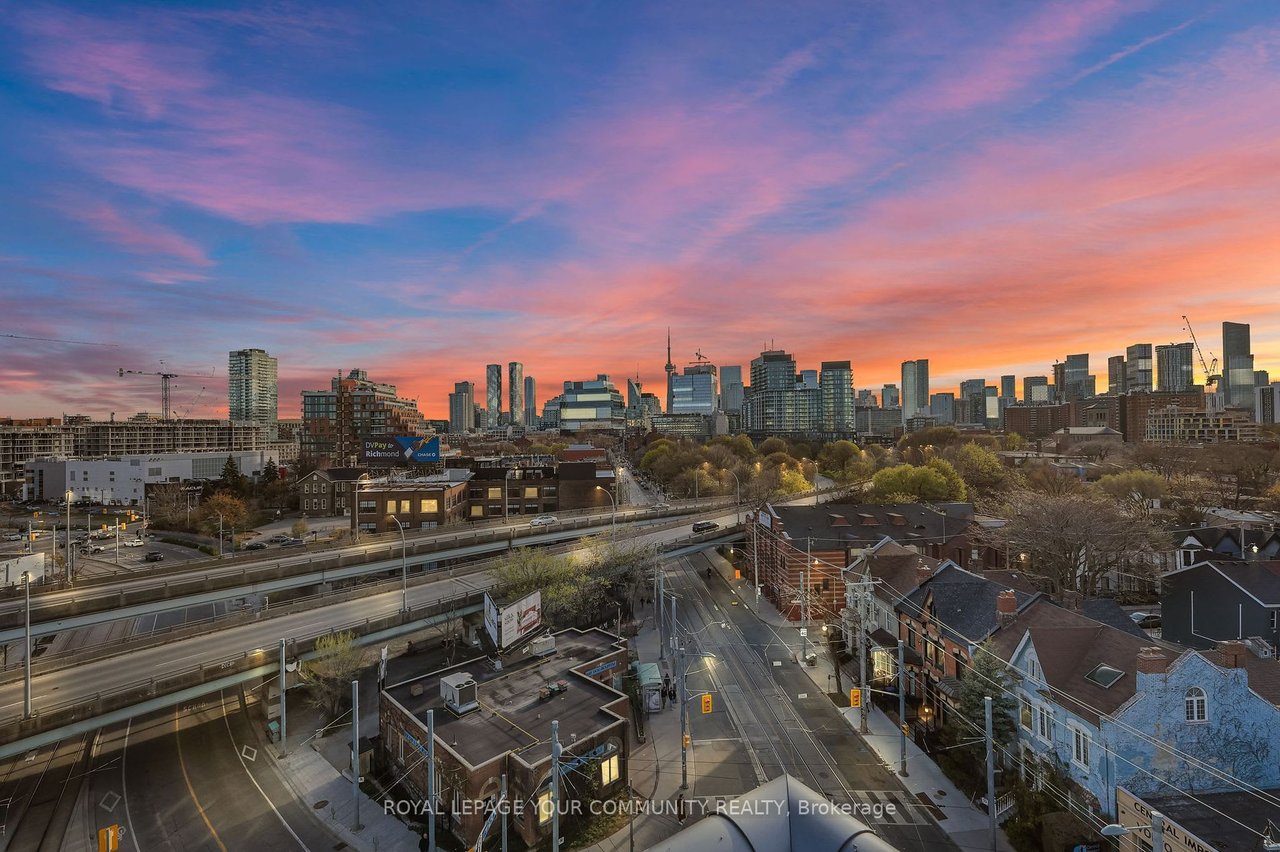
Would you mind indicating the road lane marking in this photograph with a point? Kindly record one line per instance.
(109, 801)
(177, 735)
(124, 784)
(254, 781)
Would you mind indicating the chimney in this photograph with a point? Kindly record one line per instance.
(1006, 606)
(923, 571)
(1152, 661)
(1232, 654)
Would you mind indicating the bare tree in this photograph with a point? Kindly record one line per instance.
(338, 661)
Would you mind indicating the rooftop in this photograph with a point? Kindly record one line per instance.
(1261, 579)
(964, 604)
(1204, 815)
(864, 524)
(512, 715)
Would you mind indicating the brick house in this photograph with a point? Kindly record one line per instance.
(328, 493)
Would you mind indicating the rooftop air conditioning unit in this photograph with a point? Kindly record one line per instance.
(459, 692)
(543, 646)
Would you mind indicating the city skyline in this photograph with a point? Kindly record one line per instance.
(383, 184)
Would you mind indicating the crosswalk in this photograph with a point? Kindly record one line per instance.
(879, 807)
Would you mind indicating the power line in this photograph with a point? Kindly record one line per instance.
(60, 340)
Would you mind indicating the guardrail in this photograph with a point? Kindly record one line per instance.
(49, 716)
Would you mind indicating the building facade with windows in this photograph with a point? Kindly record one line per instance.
(329, 493)
(1175, 367)
(462, 408)
(252, 388)
(515, 392)
(336, 422)
(592, 405)
(418, 504)
(122, 480)
(493, 395)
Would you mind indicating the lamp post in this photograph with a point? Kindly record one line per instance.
(26, 653)
(737, 495)
(404, 567)
(613, 523)
(1157, 830)
(219, 514)
(70, 495)
(355, 509)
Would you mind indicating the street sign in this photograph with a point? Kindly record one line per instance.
(804, 631)
(706, 702)
(109, 838)
(855, 698)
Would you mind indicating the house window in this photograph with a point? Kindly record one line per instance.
(545, 807)
(367, 506)
(428, 507)
(531, 492)
(608, 770)
(1033, 669)
(1196, 705)
(391, 507)
(1080, 747)
(1024, 713)
(1044, 724)
(495, 493)
(477, 511)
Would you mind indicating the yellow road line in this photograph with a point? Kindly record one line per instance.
(177, 735)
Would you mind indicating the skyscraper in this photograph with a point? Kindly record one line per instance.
(252, 390)
(1071, 379)
(493, 393)
(972, 404)
(732, 390)
(695, 392)
(515, 390)
(835, 380)
(462, 407)
(1116, 381)
(1009, 388)
(1174, 366)
(530, 403)
(1237, 366)
(1137, 368)
(915, 388)
(942, 406)
(777, 402)
(1035, 389)
(890, 396)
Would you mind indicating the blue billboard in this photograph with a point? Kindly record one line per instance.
(402, 448)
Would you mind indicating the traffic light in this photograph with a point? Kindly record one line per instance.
(906, 729)
(124, 526)
(687, 740)
(706, 702)
(855, 698)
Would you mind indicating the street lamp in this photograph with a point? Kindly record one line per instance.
(1157, 830)
(219, 514)
(26, 654)
(613, 523)
(70, 496)
(737, 496)
(355, 508)
(404, 567)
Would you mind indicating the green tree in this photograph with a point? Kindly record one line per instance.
(906, 483)
(955, 484)
(1142, 485)
(299, 528)
(934, 436)
(232, 480)
(270, 473)
(338, 661)
(987, 675)
(774, 445)
(980, 468)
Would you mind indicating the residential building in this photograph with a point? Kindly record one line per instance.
(423, 503)
(1137, 407)
(1261, 378)
(880, 422)
(329, 493)
(890, 397)
(1175, 367)
(1137, 368)
(1035, 390)
(779, 401)
(1266, 403)
(21, 441)
(1071, 378)
(462, 404)
(491, 722)
(1217, 599)
(1236, 385)
(1009, 389)
(732, 389)
(1116, 375)
(515, 392)
(252, 389)
(915, 388)
(355, 409)
(530, 403)
(972, 402)
(942, 407)
(1176, 425)
(866, 399)
(836, 384)
(1036, 421)
(493, 395)
(592, 405)
(501, 488)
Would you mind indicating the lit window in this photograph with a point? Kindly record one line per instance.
(495, 493)
(1024, 713)
(544, 806)
(428, 507)
(531, 492)
(391, 507)
(608, 770)
(1196, 705)
(1080, 747)
(477, 511)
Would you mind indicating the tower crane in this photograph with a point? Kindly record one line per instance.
(1211, 374)
(164, 383)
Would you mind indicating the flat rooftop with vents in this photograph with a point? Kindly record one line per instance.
(514, 706)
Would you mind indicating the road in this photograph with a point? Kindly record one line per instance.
(768, 717)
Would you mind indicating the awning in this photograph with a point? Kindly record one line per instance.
(884, 638)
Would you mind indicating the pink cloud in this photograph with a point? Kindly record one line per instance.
(135, 234)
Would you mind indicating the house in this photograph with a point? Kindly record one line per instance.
(1209, 822)
(795, 546)
(329, 493)
(492, 722)
(1069, 437)
(1226, 542)
(943, 620)
(1218, 599)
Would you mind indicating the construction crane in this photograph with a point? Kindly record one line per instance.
(1211, 375)
(164, 383)
(59, 340)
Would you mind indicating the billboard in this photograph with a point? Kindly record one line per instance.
(11, 569)
(401, 449)
(508, 624)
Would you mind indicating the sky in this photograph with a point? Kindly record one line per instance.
(418, 190)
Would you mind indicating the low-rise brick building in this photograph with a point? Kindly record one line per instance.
(489, 723)
(418, 504)
(329, 493)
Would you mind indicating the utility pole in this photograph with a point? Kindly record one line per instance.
(431, 781)
(902, 709)
(355, 751)
(502, 798)
(864, 599)
(804, 600)
(755, 551)
(631, 815)
(26, 653)
(991, 774)
(555, 786)
(284, 747)
(661, 611)
(1157, 831)
(672, 631)
(684, 724)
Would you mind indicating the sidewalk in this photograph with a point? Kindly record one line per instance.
(968, 826)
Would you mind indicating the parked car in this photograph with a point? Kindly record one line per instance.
(291, 542)
(256, 545)
(13, 537)
(153, 556)
(279, 539)
(544, 521)
(133, 542)
(705, 526)
(660, 506)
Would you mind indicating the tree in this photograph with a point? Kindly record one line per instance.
(980, 468)
(299, 528)
(987, 674)
(1051, 480)
(1139, 485)
(270, 473)
(1074, 540)
(906, 483)
(773, 445)
(232, 480)
(235, 513)
(1096, 450)
(933, 436)
(338, 661)
(1241, 470)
